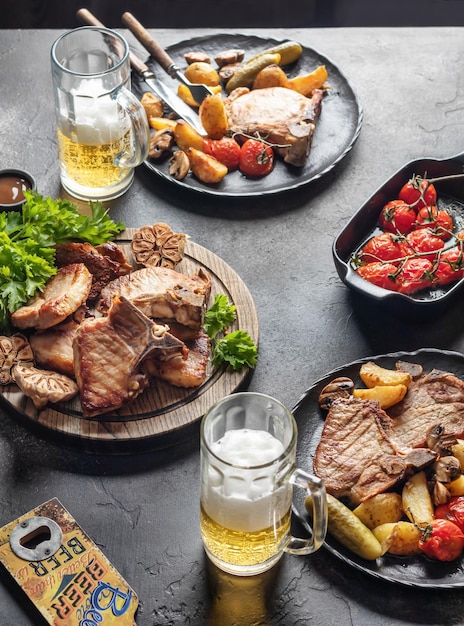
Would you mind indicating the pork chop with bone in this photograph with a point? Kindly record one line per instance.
(279, 115)
(109, 351)
(162, 293)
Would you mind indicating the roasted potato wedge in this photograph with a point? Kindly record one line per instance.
(201, 72)
(270, 76)
(213, 116)
(307, 83)
(386, 396)
(187, 137)
(400, 538)
(416, 500)
(374, 375)
(160, 123)
(153, 106)
(205, 167)
(456, 488)
(186, 95)
(458, 452)
(381, 509)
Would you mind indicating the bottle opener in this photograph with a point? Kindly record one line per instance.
(63, 572)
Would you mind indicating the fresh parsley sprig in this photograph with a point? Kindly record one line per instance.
(237, 348)
(27, 240)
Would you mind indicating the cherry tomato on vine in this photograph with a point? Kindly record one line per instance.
(397, 217)
(385, 247)
(256, 158)
(441, 539)
(416, 274)
(423, 241)
(452, 511)
(226, 150)
(450, 266)
(418, 192)
(439, 221)
(380, 274)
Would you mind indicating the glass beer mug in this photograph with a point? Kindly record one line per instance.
(248, 469)
(102, 128)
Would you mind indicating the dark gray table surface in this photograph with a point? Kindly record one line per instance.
(142, 509)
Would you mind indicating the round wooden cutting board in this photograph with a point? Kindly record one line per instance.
(161, 409)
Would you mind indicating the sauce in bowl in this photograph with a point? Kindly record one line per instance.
(13, 184)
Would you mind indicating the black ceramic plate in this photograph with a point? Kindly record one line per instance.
(338, 127)
(363, 225)
(417, 571)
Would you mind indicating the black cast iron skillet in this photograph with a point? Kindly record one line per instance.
(363, 225)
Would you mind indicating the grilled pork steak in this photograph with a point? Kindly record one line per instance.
(100, 261)
(162, 293)
(281, 116)
(108, 352)
(358, 455)
(63, 294)
(436, 398)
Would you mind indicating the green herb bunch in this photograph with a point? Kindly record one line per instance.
(237, 348)
(27, 240)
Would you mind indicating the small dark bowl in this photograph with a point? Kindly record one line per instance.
(363, 225)
(12, 185)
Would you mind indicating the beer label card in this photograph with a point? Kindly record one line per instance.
(63, 572)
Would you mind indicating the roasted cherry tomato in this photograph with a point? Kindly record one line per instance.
(437, 220)
(450, 266)
(423, 241)
(385, 247)
(397, 217)
(418, 192)
(225, 150)
(416, 274)
(256, 158)
(453, 511)
(380, 274)
(441, 539)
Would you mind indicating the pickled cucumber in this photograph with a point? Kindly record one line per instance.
(349, 530)
(245, 76)
(290, 51)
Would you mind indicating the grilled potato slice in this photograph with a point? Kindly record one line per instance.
(386, 396)
(400, 538)
(381, 509)
(416, 499)
(374, 375)
(213, 116)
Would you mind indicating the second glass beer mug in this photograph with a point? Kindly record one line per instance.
(248, 469)
(102, 128)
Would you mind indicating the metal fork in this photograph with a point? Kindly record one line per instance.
(198, 91)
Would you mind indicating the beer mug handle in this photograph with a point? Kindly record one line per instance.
(316, 490)
(140, 129)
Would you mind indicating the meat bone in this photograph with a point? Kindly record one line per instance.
(198, 91)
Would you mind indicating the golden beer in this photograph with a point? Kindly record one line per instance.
(93, 166)
(242, 549)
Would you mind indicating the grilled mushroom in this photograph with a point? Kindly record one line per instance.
(161, 143)
(179, 165)
(341, 387)
(447, 469)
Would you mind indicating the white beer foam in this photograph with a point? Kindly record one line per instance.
(96, 118)
(244, 497)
